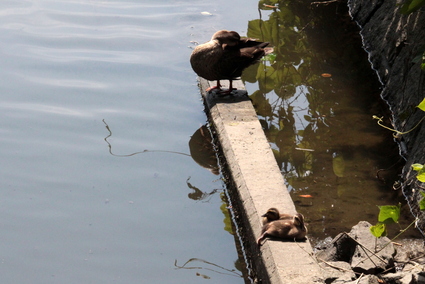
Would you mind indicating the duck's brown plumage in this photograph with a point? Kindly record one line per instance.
(226, 55)
(285, 229)
(273, 214)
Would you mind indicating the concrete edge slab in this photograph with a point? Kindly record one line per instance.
(257, 185)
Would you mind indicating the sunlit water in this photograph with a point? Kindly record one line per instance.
(98, 107)
(86, 84)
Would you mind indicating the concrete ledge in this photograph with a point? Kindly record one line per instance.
(258, 185)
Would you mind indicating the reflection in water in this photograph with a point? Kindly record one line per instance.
(315, 98)
(200, 145)
(202, 149)
(240, 266)
(203, 153)
(135, 153)
(215, 268)
(197, 194)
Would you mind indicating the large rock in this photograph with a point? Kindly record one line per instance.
(364, 252)
(372, 255)
(410, 249)
(341, 248)
(337, 272)
(359, 251)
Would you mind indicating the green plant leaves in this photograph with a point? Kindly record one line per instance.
(410, 6)
(417, 167)
(422, 105)
(421, 172)
(338, 165)
(422, 202)
(379, 230)
(420, 59)
(389, 213)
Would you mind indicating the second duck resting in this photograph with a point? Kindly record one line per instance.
(283, 226)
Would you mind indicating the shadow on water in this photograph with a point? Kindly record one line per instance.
(315, 97)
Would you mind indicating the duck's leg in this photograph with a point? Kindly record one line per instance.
(231, 86)
(229, 91)
(261, 238)
(218, 87)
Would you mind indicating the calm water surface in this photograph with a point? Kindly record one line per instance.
(98, 107)
(315, 100)
(77, 75)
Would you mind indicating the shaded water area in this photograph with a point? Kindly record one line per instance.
(316, 99)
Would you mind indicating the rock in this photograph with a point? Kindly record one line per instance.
(353, 252)
(365, 279)
(337, 272)
(410, 249)
(340, 249)
(399, 278)
(372, 255)
(414, 268)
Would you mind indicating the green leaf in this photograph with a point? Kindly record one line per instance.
(422, 105)
(338, 165)
(389, 213)
(266, 77)
(417, 167)
(411, 6)
(269, 57)
(378, 230)
(421, 176)
(422, 202)
(421, 172)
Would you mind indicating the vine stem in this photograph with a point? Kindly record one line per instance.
(393, 130)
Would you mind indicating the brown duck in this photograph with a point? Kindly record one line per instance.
(285, 229)
(273, 214)
(225, 56)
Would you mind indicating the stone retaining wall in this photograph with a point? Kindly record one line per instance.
(393, 40)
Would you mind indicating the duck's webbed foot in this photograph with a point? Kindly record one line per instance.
(229, 91)
(221, 92)
(217, 87)
(261, 238)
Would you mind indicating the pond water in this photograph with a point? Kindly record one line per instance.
(316, 98)
(87, 87)
(100, 119)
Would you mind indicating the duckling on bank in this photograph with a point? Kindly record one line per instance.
(292, 229)
(273, 214)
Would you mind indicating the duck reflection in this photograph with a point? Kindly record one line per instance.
(200, 145)
(202, 150)
(198, 194)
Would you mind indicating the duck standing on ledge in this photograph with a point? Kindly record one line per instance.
(225, 56)
(285, 229)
